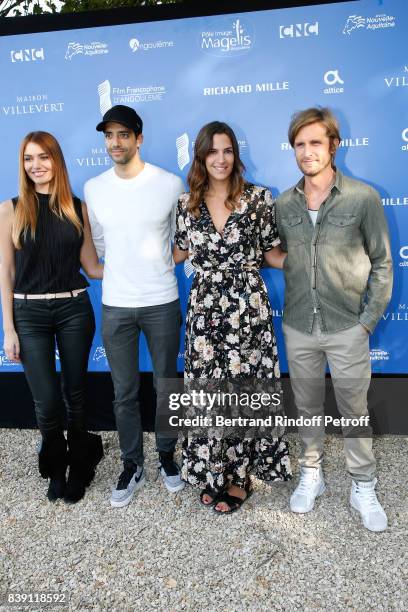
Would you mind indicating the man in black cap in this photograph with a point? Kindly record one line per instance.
(132, 211)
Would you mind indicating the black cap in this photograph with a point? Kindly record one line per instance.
(124, 115)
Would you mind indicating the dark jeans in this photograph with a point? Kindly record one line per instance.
(67, 324)
(121, 329)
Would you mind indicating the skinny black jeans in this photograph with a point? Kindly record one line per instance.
(42, 326)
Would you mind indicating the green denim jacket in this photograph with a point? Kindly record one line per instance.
(339, 270)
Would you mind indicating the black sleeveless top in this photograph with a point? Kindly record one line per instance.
(50, 262)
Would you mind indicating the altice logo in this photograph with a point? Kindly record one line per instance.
(404, 256)
(404, 136)
(332, 77)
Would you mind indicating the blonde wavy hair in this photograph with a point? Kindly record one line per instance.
(317, 114)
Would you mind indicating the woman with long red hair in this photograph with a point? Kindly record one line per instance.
(44, 240)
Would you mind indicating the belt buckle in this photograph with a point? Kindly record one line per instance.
(50, 296)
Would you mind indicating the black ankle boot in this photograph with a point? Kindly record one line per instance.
(85, 451)
(52, 464)
(57, 486)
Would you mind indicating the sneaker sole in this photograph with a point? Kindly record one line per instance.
(179, 487)
(169, 487)
(319, 493)
(355, 513)
(125, 502)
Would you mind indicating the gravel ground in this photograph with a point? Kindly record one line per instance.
(166, 552)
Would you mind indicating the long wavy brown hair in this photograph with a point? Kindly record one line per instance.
(198, 177)
(61, 201)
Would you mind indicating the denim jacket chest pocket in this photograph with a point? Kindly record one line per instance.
(293, 226)
(342, 228)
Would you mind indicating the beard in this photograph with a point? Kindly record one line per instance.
(314, 171)
(123, 158)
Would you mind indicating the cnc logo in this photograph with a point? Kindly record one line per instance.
(299, 30)
(27, 55)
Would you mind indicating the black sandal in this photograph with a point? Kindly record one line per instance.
(209, 491)
(232, 501)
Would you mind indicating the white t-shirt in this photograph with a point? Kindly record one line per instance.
(133, 223)
(313, 215)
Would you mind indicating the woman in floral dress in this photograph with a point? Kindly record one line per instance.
(226, 227)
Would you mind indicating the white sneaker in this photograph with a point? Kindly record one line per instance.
(130, 480)
(364, 500)
(311, 485)
(170, 473)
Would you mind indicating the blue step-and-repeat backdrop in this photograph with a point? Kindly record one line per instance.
(252, 70)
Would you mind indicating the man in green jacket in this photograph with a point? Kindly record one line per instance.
(338, 274)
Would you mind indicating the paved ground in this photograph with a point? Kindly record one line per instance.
(166, 552)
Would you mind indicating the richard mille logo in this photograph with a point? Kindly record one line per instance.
(247, 88)
(361, 141)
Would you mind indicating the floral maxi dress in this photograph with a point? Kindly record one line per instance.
(229, 331)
